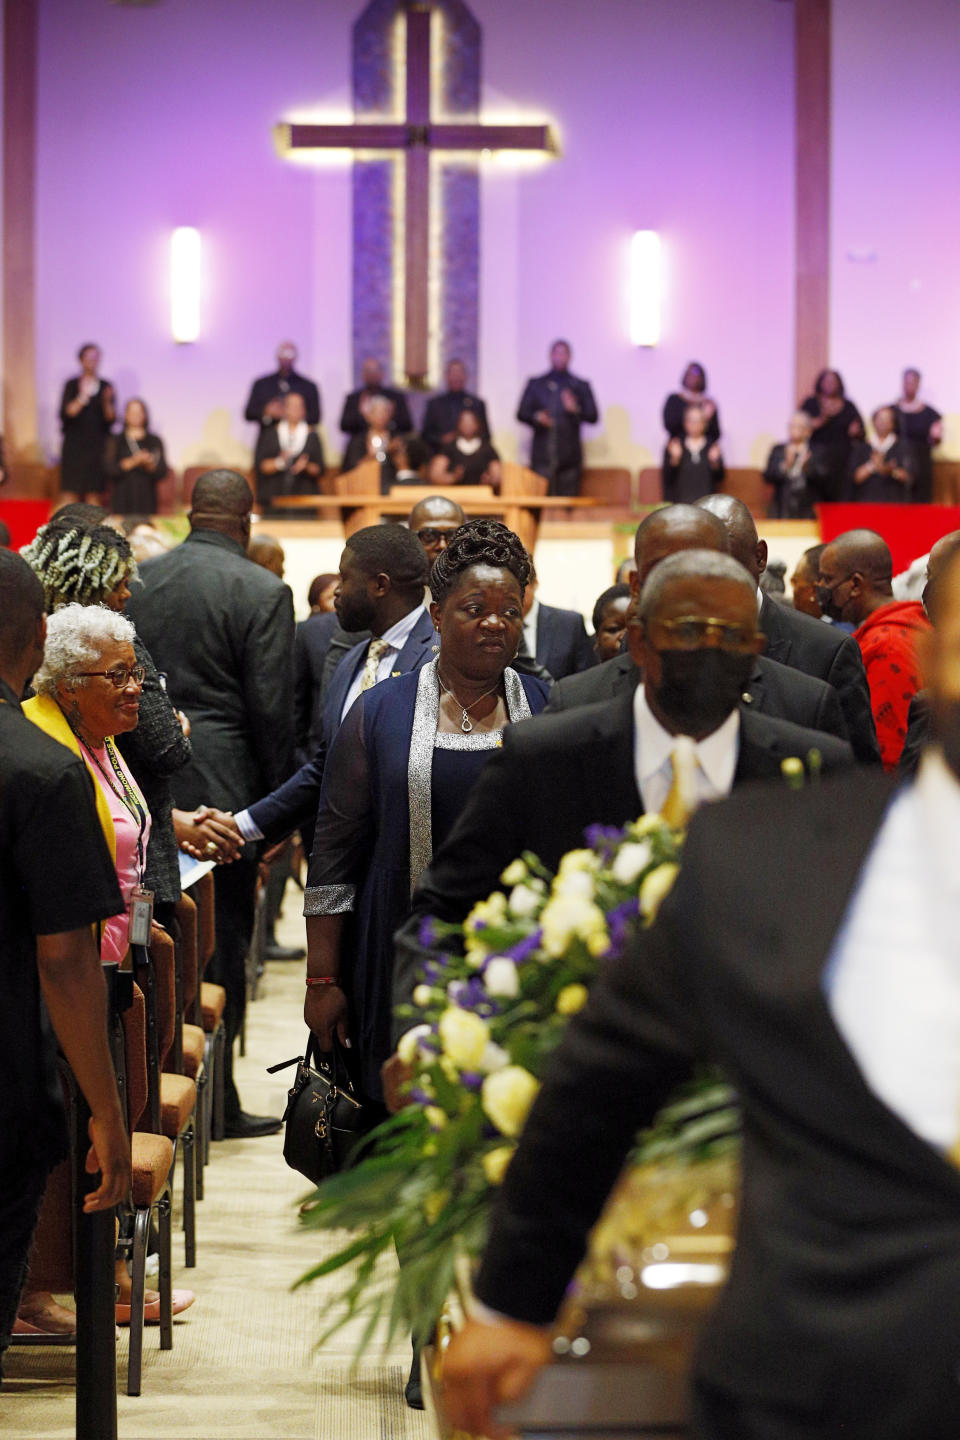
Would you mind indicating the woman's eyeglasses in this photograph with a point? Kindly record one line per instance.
(120, 677)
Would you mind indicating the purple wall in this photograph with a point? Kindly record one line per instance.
(895, 291)
(673, 115)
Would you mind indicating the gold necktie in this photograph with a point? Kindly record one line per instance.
(375, 653)
(681, 798)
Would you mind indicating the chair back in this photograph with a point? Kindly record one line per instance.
(203, 896)
(186, 912)
(135, 1057)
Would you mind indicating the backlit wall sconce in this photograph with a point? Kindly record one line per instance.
(185, 284)
(645, 288)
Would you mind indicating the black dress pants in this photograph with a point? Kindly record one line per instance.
(21, 1191)
(235, 888)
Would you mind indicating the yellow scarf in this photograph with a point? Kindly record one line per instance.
(46, 714)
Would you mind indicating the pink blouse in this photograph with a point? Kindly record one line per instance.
(115, 933)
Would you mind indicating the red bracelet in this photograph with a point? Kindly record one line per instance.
(322, 980)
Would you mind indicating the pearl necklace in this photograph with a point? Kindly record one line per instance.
(466, 724)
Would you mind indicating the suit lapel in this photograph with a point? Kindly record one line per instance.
(611, 779)
(416, 650)
(778, 643)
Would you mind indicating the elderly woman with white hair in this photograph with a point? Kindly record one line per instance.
(88, 691)
(799, 475)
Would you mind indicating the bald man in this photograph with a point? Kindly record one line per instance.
(433, 521)
(355, 419)
(856, 584)
(821, 974)
(774, 689)
(222, 631)
(797, 640)
(265, 403)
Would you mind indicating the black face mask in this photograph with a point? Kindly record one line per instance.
(699, 688)
(824, 596)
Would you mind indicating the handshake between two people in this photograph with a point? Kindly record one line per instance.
(208, 834)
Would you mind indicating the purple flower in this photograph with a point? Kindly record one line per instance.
(456, 991)
(471, 1080)
(524, 948)
(420, 1096)
(427, 935)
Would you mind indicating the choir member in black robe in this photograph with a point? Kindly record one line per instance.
(693, 391)
(556, 405)
(471, 459)
(289, 458)
(881, 473)
(692, 467)
(355, 419)
(922, 427)
(135, 463)
(87, 411)
(265, 405)
(372, 442)
(837, 426)
(796, 472)
(443, 411)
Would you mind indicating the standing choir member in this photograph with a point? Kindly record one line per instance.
(556, 405)
(87, 411)
(444, 410)
(289, 457)
(693, 391)
(355, 420)
(265, 405)
(796, 472)
(837, 425)
(471, 460)
(881, 473)
(691, 466)
(136, 463)
(922, 427)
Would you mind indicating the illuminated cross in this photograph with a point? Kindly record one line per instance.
(416, 136)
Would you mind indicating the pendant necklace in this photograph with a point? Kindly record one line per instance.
(466, 724)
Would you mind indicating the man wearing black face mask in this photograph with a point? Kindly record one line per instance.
(694, 637)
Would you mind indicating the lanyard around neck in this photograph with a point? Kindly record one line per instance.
(125, 794)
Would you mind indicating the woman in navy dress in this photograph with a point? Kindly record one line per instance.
(396, 779)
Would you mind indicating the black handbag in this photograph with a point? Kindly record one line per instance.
(323, 1120)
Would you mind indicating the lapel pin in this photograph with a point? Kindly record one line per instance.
(395, 674)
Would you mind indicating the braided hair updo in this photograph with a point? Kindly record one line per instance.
(479, 542)
(79, 564)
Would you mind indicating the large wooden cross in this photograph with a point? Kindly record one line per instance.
(416, 135)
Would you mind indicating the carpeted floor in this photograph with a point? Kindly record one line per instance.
(244, 1363)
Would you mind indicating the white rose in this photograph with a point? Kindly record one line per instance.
(507, 1096)
(630, 862)
(408, 1046)
(493, 1058)
(422, 995)
(576, 883)
(566, 916)
(656, 887)
(524, 902)
(500, 978)
(463, 1036)
(577, 860)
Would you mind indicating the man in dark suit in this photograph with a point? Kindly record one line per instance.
(772, 689)
(556, 405)
(383, 570)
(822, 975)
(354, 421)
(443, 411)
(798, 640)
(607, 763)
(557, 638)
(265, 405)
(221, 628)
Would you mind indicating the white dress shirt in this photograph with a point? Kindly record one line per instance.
(530, 628)
(652, 747)
(893, 977)
(396, 637)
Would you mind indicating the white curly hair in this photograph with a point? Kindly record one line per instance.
(77, 636)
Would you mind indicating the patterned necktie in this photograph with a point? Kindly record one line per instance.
(375, 653)
(681, 798)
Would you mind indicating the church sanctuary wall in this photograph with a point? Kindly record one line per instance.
(672, 115)
(895, 284)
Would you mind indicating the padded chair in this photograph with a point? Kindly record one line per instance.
(172, 1099)
(192, 1039)
(151, 1177)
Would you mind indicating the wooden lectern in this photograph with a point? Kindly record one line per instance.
(358, 501)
